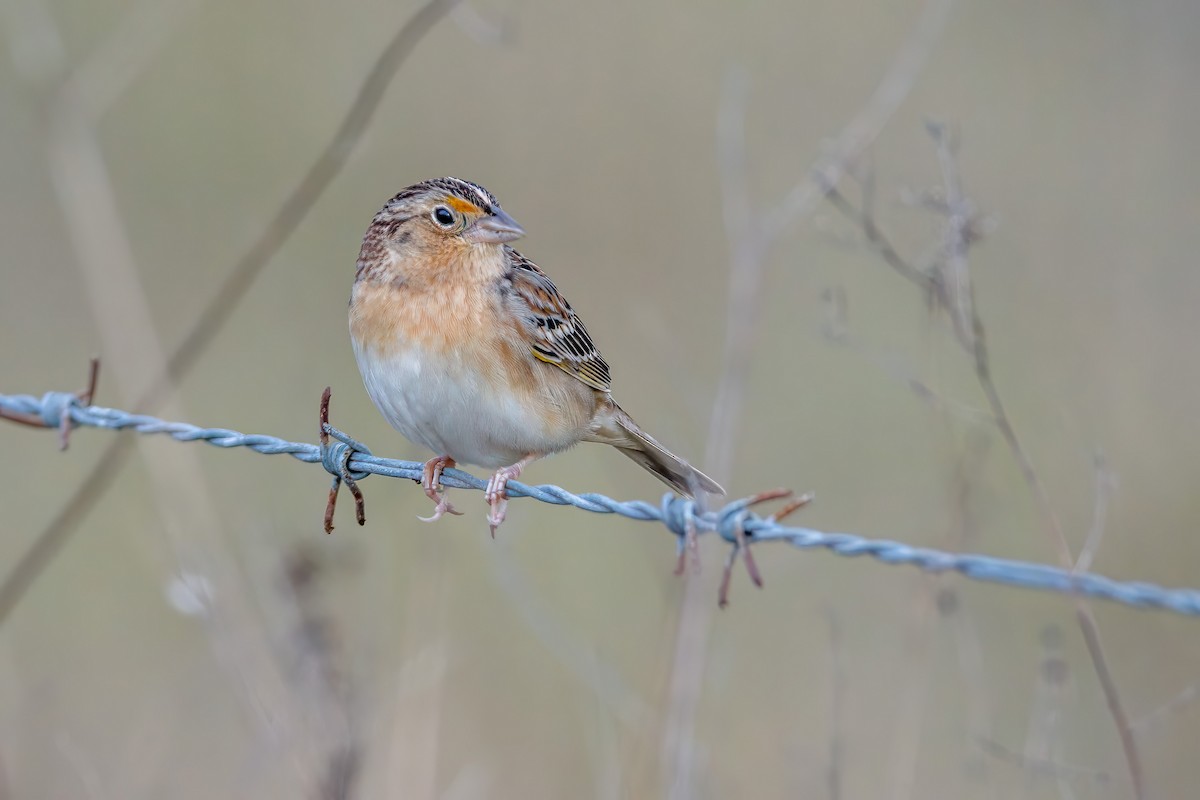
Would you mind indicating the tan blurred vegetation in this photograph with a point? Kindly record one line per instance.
(201, 637)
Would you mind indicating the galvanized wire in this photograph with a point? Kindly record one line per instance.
(734, 522)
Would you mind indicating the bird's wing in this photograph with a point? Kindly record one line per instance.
(555, 334)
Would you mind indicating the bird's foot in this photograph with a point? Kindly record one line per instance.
(496, 494)
(431, 482)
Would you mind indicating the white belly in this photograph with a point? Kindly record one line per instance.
(453, 410)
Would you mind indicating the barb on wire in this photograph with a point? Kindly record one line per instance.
(735, 522)
(336, 460)
(742, 539)
(741, 542)
(56, 416)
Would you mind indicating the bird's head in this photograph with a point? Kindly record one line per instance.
(434, 225)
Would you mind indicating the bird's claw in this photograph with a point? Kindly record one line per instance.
(443, 507)
(496, 494)
(498, 513)
(431, 482)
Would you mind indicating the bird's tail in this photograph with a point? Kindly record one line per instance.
(619, 430)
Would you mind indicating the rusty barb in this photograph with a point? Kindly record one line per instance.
(741, 540)
(58, 415)
(335, 456)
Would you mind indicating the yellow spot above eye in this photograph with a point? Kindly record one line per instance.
(462, 206)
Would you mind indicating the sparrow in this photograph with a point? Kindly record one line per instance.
(468, 349)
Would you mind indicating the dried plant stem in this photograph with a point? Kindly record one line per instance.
(1039, 766)
(837, 694)
(295, 208)
(1160, 715)
(1106, 484)
(1054, 526)
(969, 333)
(750, 245)
(177, 486)
(220, 308)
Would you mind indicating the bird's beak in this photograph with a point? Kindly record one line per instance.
(495, 228)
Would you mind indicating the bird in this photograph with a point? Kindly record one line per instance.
(468, 349)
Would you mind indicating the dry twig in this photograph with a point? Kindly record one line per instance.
(750, 245)
(222, 305)
(948, 284)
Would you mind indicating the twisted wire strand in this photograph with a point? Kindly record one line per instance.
(734, 522)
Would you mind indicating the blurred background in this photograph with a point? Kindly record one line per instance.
(197, 635)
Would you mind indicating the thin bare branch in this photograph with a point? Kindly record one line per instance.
(1095, 647)
(411, 751)
(1105, 485)
(222, 305)
(854, 140)
(1048, 707)
(574, 652)
(876, 238)
(745, 274)
(490, 29)
(1156, 718)
(1087, 620)
(321, 683)
(750, 245)
(836, 329)
(953, 293)
(93, 223)
(104, 76)
(295, 208)
(837, 692)
(1039, 766)
(958, 293)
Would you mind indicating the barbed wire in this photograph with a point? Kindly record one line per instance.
(735, 522)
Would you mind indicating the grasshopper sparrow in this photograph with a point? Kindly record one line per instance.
(469, 350)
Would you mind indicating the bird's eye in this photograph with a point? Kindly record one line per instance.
(443, 216)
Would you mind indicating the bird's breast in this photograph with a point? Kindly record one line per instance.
(387, 317)
(452, 375)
